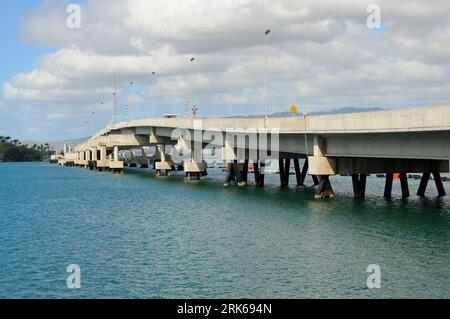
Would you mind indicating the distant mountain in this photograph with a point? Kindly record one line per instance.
(342, 110)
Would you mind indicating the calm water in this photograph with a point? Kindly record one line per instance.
(139, 236)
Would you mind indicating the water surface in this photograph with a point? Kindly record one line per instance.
(140, 236)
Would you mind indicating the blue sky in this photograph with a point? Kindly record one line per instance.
(322, 55)
(16, 55)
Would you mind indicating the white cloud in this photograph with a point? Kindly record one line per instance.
(321, 55)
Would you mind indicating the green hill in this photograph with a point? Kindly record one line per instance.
(16, 152)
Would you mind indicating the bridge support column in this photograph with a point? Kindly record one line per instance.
(102, 164)
(93, 158)
(298, 174)
(82, 159)
(235, 170)
(324, 190)
(94, 153)
(88, 159)
(77, 161)
(388, 185)
(259, 171)
(423, 184)
(404, 185)
(115, 165)
(195, 167)
(322, 166)
(301, 175)
(437, 181)
(234, 173)
(144, 159)
(284, 168)
(359, 185)
(315, 179)
(163, 167)
(132, 162)
(439, 185)
(245, 171)
(195, 170)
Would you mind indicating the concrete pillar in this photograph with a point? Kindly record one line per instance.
(194, 167)
(439, 185)
(116, 154)
(94, 153)
(228, 152)
(259, 169)
(323, 166)
(359, 185)
(144, 159)
(324, 190)
(234, 173)
(88, 155)
(301, 175)
(162, 152)
(423, 184)
(284, 168)
(404, 185)
(388, 185)
(320, 145)
(319, 164)
(103, 152)
(163, 165)
(298, 174)
(437, 181)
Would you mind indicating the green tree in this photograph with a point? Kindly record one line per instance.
(13, 154)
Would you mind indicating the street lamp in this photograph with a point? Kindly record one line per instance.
(266, 109)
(152, 106)
(189, 97)
(127, 107)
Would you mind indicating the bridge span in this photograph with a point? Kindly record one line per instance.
(401, 141)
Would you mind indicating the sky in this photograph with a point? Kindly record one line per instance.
(57, 79)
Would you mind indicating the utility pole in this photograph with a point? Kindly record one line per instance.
(152, 96)
(266, 109)
(115, 110)
(189, 98)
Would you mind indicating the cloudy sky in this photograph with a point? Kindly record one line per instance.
(57, 81)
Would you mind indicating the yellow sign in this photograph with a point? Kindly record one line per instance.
(294, 109)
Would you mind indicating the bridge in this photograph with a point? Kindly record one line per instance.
(404, 141)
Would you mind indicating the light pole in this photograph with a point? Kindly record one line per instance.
(152, 106)
(266, 109)
(94, 122)
(127, 106)
(115, 110)
(189, 97)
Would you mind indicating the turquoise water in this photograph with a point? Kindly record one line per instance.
(140, 236)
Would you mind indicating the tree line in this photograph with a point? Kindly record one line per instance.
(13, 150)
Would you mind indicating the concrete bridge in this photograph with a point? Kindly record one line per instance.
(384, 142)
